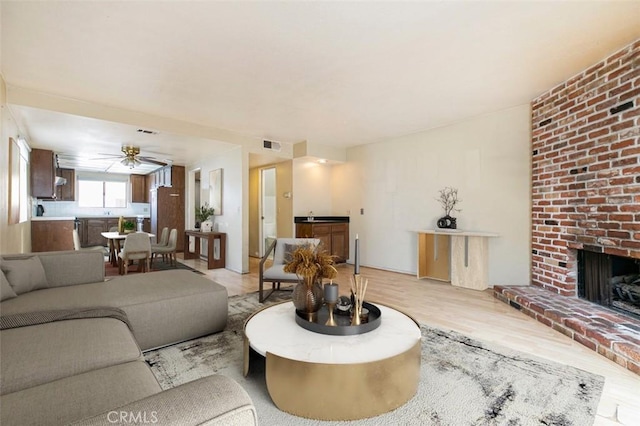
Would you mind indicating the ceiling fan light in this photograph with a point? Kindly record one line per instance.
(130, 162)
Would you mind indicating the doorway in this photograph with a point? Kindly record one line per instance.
(268, 208)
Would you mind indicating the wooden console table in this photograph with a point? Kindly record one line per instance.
(212, 262)
(460, 257)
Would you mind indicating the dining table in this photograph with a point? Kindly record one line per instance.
(114, 239)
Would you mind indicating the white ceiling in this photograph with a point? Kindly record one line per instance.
(334, 73)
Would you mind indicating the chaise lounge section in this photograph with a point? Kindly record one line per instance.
(89, 369)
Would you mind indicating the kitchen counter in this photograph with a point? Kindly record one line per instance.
(43, 218)
(111, 216)
(321, 219)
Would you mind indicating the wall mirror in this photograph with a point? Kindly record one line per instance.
(215, 190)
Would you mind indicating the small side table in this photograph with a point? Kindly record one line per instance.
(212, 262)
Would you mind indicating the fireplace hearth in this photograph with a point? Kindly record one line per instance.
(609, 280)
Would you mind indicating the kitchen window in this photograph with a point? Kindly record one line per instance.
(103, 194)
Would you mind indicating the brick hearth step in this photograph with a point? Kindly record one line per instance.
(605, 331)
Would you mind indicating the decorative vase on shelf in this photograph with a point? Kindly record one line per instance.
(447, 222)
(307, 297)
(206, 226)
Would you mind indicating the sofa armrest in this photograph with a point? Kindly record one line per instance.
(212, 400)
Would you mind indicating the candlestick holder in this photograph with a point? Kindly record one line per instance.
(331, 321)
(331, 298)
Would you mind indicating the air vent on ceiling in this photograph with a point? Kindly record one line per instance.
(147, 132)
(274, 146)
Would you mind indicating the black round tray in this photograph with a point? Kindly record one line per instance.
(343, 327)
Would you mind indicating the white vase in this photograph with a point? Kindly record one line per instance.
(206, 226)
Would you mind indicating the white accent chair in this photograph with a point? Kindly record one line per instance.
(275, 273)
(137, 246)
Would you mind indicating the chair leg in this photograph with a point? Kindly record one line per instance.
(126, 267)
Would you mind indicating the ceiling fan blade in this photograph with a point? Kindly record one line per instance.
(109, 157)
(150, 160)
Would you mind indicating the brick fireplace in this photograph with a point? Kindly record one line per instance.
(585, 169)
(585, 199)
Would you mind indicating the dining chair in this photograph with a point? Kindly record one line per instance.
(137, 246)
(78, 246)
(169, 249)
(162, 242)
(282, 248)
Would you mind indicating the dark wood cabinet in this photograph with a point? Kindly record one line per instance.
(94, 229)
(67, 192)
(166, 207)
(334, 237)
(139, 193)
(43, 174)
(51, 235)
(340, 241)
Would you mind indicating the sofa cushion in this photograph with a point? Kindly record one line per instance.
(43, 353)
(25, 275)
(211, 400)
(163, 307)
(6, 292)
(78, 397)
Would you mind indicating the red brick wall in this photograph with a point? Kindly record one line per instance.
(586, 169)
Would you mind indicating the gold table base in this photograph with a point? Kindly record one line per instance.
(343, 391)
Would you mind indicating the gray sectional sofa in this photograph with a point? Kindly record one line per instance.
(88, 369)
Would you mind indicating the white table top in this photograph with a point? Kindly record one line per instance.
(118, 236)
(274, 330)
(458, 232)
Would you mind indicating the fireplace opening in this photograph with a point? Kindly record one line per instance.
(611, 281)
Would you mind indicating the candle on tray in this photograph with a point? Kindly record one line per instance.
(330, 293)
(356, 263)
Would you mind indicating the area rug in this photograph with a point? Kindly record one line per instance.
(462, 381)
(158, 265)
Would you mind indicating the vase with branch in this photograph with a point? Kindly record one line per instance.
(203, 213)
(448, 199)
(311, 265)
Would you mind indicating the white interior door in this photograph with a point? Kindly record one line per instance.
(268, 209)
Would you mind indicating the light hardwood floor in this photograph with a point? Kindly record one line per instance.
(479, 315)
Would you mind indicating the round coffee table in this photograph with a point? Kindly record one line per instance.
(326, 377)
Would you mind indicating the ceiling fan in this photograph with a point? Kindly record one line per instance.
(131, 157)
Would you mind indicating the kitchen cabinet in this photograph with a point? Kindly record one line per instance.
(166, 207)
(334, 237)
(43, 173)
(139, 193)
(171, 176)
(51, 235)
(94, 229)
(67, 192)
(90, 229)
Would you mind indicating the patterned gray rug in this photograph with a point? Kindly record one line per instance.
(463, 381)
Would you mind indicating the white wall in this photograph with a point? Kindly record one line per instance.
(234, 202)
(13, 238)
(311, 188)
(397, 181)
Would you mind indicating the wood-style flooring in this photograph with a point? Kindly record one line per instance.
(479, 315)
